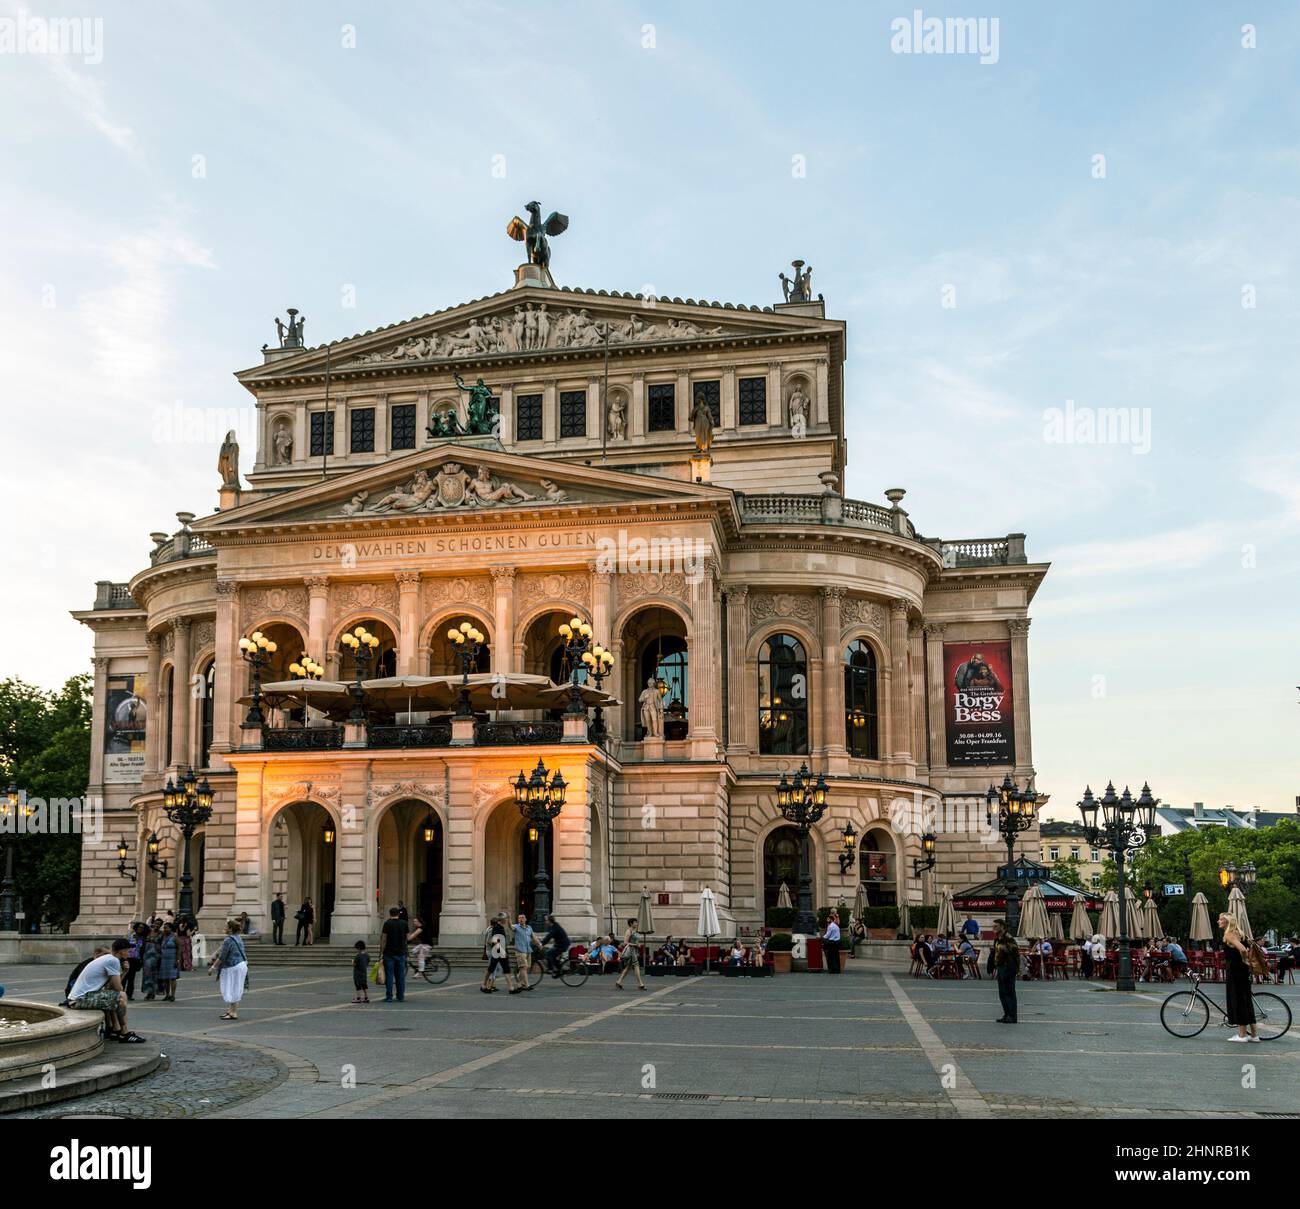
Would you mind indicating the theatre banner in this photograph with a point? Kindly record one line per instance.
(124, 729)
(978, 709)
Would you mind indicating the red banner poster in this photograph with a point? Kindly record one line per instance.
(978, 708)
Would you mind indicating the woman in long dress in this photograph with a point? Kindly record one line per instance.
(150, 956)
(1241, 1007)
(184, 947)
(167, 969)
(232, 961)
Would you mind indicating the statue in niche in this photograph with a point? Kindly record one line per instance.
(282, 446)
(616, 421)
(702, 424)
(652, 710)
(799, 405)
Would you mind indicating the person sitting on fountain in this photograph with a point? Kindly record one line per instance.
(99, 988)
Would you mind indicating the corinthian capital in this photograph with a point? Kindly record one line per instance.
(1018, 625)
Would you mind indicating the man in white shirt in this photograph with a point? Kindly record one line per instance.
(99, 988)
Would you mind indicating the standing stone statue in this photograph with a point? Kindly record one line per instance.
(616, 424)
(652, 710)
(798, 413)
(290, 335)
(702, 423)
(798, 288)
(480, 418)
(228, 461)
(533, 233)
(282, 445)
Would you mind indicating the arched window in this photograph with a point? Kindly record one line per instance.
(780, 866)
(169, 683)
(207, 713)
(861, 732)
(782, 697)
(664, 660)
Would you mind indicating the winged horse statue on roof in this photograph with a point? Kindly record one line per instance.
(533, 233)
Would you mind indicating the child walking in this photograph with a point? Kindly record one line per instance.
(360, 971)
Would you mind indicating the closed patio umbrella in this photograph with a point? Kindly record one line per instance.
(1200, 926)
(1237, 910)
(645, 923)
(947, 918)
(1058, 931)
(783, 896)
(1151, 917)
(1109, 923)
(860, 903)
(1033, 914)
(1080, 924)
(707, 923)
(1137, 921)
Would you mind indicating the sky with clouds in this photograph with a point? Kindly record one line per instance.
(1105, 215)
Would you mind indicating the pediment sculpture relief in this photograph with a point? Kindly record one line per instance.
(452, 487)
(531, 326)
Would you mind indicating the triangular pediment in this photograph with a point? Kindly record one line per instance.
(464, 480)
(537, 323)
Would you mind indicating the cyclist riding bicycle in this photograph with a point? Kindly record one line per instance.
(558, 940)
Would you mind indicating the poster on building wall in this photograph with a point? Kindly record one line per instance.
(124, 722)
(877, 867)
(978, 708)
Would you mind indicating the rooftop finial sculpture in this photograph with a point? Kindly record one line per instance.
(533, 233)
(290, 334)
(798, 288)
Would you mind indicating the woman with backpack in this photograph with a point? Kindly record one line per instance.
(1241, 1007)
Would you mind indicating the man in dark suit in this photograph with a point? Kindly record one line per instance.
(277, 919)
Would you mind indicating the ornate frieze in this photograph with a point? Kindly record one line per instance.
(280, 791)
(559, 585)
(668, 583)
(461, 590)
(764, 606)
(451, 488)
(204, 635)
(856, 611)
(423, 790)
(259, 602)
(347, 597)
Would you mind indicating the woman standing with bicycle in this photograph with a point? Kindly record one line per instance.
(1240, 1006)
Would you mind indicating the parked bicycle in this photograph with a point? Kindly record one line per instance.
(436, 968)
(1186, 1013)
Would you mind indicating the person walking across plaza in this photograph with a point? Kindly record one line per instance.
(631, 955)
(393, 953)
(1240, 1005)
(523, 951)
(277, 918)
(494, 949)
(232, 961)
(831, 943)
(1004, 960)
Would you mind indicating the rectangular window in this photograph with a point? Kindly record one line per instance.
(362, 422)
(573, 413)
(712, 392)
(1096, 880)
(528, 417)
(1053, 854)
(1096, 857)
(752, 393)
(1074, 854)
(661, 407)
(403, 426)
(322, 433)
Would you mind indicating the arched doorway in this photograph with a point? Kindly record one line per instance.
(780, 866)
(544, 653)
(303, 847)
(655, 649)
(409, 862)
(510, 858)
(445, 655)
(878, 862)
(383, 662)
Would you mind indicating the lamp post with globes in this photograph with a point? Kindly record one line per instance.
(577, 644)
(1015, 809)
(540, 801)
(600, 663)
(257, 651)
(10, 801)
(187, 804)
(467, 643)
(802, 801)
(362, 643)
(1124, 824)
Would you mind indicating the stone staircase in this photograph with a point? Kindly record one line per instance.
(323, 955)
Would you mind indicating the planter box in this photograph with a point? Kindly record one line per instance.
(883, 933)
(781, 962)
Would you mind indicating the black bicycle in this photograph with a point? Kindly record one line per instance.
(1186, 1013)
(573, 970)
(436, 968)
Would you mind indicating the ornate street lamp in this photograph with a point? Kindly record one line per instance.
(9, 804)
(1124, 824)
(257, 651)
(306, 669)
(430, 829)
(123, 869)
(1015, 809)
(151, 847)
(187, 804)
(803, 802)
(467, 643)
(1243, 877)
(925, 862)
(539, 801)
(849, 838)
(362, 644)
(600, 663)
(577, 645)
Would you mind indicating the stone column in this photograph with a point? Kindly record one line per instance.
(153, 720)
(602, 595)
(383, 433)
(637, 419)
(1018, 627)
(682, 402)
(226, 641)
(729, 419)
(934, 694)
(422, 419)
(181, 692)
(900, 726)
(318, 611)
(550, 412)
(738, 671)
(506, 411)
(703, 658)
(342, 435)
(503, 616)
(832, 727)
(99, 716)
(408, 619)
(594, 421)
(775, 402)
(301, 431)
(821, 393)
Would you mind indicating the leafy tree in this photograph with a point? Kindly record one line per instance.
(45, 750)
(1066, 870)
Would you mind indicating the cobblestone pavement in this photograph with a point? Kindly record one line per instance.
(873, 1043)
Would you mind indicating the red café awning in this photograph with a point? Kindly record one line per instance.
(991, 896)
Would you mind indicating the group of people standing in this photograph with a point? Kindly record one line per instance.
(158, 952)
(305, 917)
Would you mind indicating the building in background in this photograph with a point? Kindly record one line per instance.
(1061, 841)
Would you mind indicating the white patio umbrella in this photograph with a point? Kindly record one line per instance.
(1237, 911)
(1201, 928)
(645, 923)
(1033, 914)
(1108, 925)
(1058, 931)
(426, 692)
(708, 924)
(947, 921)
(783, 896)
(1151, 917)
(1080, 924)
(1137, 920)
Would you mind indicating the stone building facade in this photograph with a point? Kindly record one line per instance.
(783, 622)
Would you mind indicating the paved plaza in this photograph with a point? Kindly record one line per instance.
(874, 1043)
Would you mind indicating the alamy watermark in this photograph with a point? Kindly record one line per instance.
(626, 555)
(28, 34)
(56, 816)
(1072, 425)
(922, 35)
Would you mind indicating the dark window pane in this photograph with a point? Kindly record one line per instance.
(362, 420)
(662, 407)
(322, 433)
(528, 417)
(753, 400)
(573, 413)
(782, 697)
(860, 698)
(712, 392)
(403, 424)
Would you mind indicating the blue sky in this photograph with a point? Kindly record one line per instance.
(1164, 641)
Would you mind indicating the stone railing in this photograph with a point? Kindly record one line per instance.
(109, 595)
(826, 509)
(507, 734)
(304, 738)
(435, 735)
(183, 545)
(981, 551)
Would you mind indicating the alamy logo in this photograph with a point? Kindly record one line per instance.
(922, 35)
(78, 1162)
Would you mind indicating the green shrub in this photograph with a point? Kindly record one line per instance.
(882, 917)
(780, 942)
(780, 917)
(923, 917)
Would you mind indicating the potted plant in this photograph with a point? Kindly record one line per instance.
(882, 922)
(779, 946)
